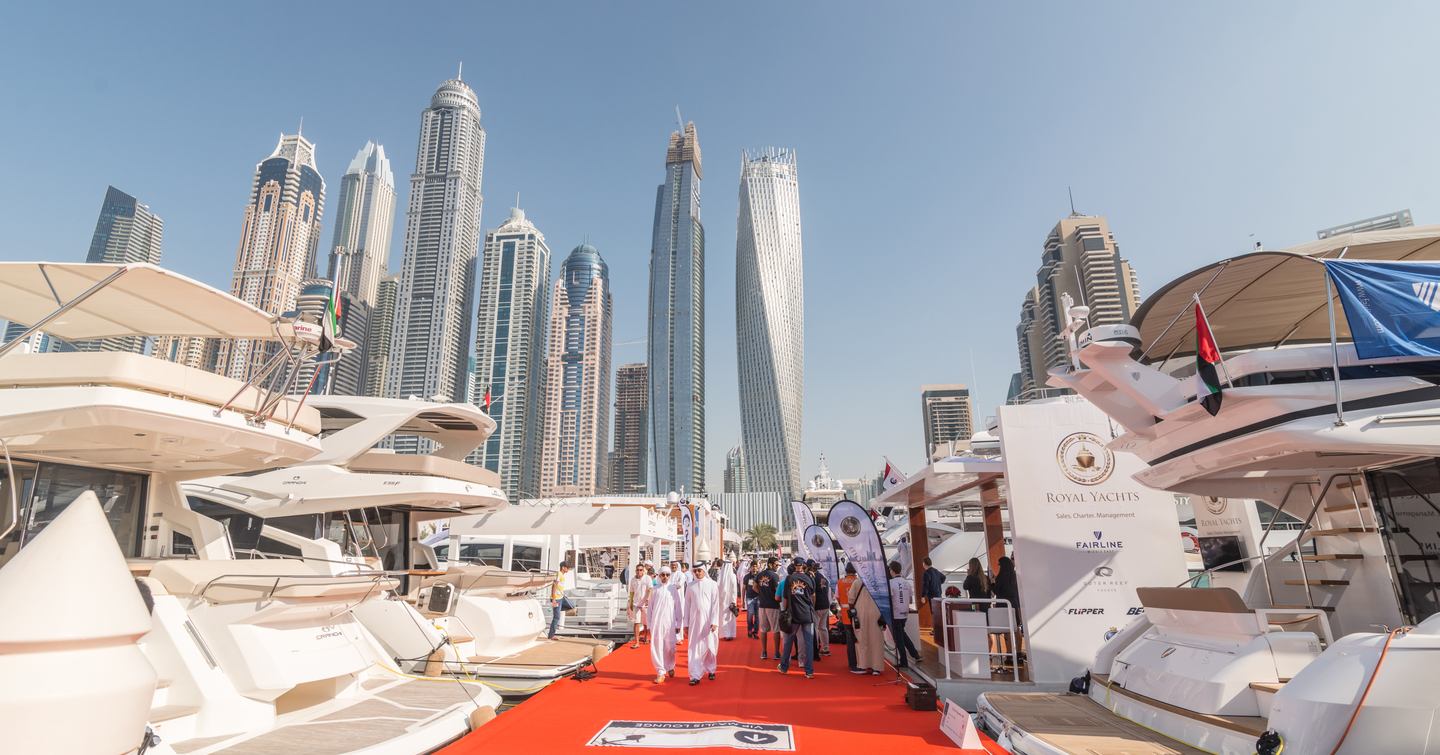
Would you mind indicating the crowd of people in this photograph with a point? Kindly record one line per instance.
(690, 604)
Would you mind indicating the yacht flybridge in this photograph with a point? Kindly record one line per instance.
(1334, 644)
(237, 654)
(357, 503)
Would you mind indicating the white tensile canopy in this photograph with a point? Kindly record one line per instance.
(140, 299)
(1267, 299)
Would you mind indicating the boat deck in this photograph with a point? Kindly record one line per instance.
(392, 710)
(563, 651)
(1075, 723)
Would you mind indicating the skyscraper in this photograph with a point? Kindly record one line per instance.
(510, 351)
(278, 242)
(431, 348)
(364, 215)
(770, 320)
(948, 415)
(632, 434)
(1082, 259)
(677, 323)
(735, 471)
(577, 405)
(126, 231)
(379, 336)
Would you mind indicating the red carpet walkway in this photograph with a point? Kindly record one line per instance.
(836, 712)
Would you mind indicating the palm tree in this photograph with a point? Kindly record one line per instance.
(760, 537)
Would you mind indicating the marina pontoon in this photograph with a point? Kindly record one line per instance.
(1332, 645)
(237, 654)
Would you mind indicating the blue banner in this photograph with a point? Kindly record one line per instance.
(855, 532)
(822, 549)
(1393, 307)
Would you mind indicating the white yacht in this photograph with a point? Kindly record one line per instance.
(200, 654)
(357, 502)
(1333, 644)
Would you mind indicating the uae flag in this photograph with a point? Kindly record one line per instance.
(1207, 356)
(330, 324)
(892, 476)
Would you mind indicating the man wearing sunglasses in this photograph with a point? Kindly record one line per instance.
(702, 614)
(663, 615)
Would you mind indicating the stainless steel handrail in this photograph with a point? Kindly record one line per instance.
(1009, 627)
(371, 579)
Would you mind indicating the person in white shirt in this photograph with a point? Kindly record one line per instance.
(901, 595)
(639, 597)
(702, 614)
(663, 617)
(607, 564)
(729, 595)
(679, 579)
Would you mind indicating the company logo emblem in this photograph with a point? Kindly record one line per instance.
(1135, 611)
(1085, 611)
(1099, 544)
(1216, 506)
(1428, 293)
(1084, 459)
(1167, 652)
(850, 526)
(817, 540)
(1103, 571)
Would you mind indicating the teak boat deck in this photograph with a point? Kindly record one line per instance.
(1075, 723)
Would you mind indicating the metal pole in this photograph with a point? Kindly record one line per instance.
(66, 307)
(1334, 351)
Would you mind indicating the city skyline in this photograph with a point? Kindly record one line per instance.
(900, 244)
(126, 231)
(574, 457)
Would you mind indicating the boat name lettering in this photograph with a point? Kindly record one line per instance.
(328, 631)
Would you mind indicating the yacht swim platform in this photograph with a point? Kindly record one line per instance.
(1075, 723)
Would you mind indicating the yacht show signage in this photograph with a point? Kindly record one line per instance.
(737, 735)
(822, 549)
(856, 534)
(804, 517)
(1086, 534)
(687, 533)
(1391, 307)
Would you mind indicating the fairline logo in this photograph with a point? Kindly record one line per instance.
(1428, 292)
(1099, 543)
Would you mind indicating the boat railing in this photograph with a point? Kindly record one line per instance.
(980, 605)
(295, 581)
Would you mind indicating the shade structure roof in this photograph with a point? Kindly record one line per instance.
(143, 300)
(1268, 298)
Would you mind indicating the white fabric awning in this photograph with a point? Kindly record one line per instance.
(144, 300)
(1266, 299)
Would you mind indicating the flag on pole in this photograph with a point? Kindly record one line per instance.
(1207, 356)
(487, 398)
(893, 476)
(330, 324)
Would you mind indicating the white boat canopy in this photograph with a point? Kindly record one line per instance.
(1268, 299)
(137, 299)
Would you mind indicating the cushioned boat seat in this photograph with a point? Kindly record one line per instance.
(260, 579)
(1212, 599)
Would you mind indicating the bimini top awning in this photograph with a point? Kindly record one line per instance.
(1268, 299)
(136, 300)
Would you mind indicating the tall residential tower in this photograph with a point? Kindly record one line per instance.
(364, 215)
(430, 355)
(948, 416)
(770, 320)
(1081, 259)
(629, 452)
(577, 402)
(279, 239)
(126, 231)
(677, 323)
(510, 351)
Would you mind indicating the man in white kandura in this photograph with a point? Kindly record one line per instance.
(663, 617)
(702, 613)
(679, 579)
(639, 597)
(729, 596)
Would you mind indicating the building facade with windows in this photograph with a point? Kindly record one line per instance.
(364, 215)
(770, 320)
(430, 346)
(279, 239)
(510, 352)
(631, 445)
(126, 231)
(379, 332)
(676, 344)
(735, 481)
(1080, 258)
(574, 453)
(948, 415)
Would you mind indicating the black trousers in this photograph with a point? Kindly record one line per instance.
(849, 631)
(902, 642)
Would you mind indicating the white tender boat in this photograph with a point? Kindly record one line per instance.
(1334, 644)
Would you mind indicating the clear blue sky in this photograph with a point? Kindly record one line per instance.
(935, 141)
